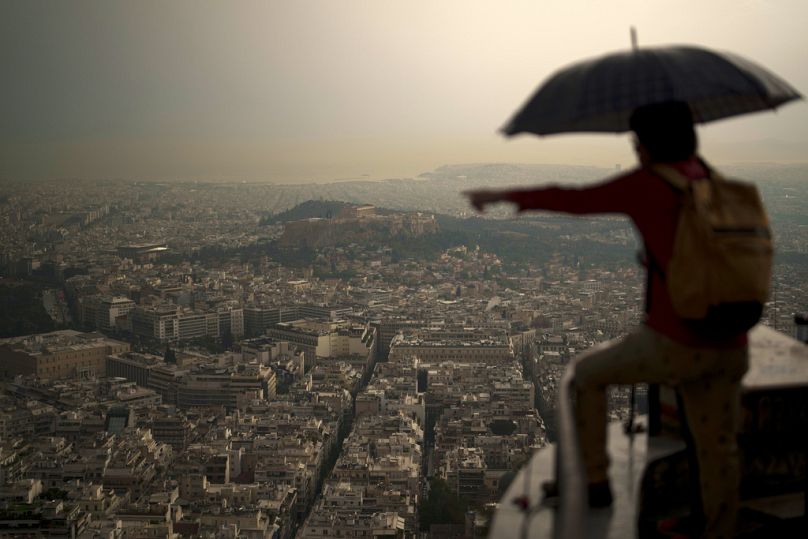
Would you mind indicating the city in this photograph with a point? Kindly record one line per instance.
(195, 366)
(297, 270)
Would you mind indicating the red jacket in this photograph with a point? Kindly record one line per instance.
(653, 205)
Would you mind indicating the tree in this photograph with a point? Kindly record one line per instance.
(228, 340)
(441, 506)
(170, 356)
(54, 493)
(22, 312)
(502, 427)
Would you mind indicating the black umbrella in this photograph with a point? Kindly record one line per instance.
(599, 95)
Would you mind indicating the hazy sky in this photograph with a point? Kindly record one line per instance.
(292, 91)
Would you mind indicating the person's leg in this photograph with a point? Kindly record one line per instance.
(712, 407)
(641, 356)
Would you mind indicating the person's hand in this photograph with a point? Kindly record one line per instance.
(480, 198)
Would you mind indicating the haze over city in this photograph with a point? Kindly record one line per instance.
(270, 270)
(291, 92)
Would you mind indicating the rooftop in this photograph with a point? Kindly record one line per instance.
(55, 341)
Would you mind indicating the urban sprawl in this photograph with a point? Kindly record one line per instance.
(206, 371)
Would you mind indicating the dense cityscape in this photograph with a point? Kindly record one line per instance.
(261, 361)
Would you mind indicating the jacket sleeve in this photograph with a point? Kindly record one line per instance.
(618, 195)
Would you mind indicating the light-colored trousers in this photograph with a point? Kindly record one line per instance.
(708, 380)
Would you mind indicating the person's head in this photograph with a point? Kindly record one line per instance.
(664, 131)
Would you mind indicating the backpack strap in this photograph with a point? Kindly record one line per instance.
(712, 173)
(677, 180)
(679, 183)
(673, 177)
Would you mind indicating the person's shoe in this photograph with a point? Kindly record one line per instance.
(600, 494)
(550, 494)
(550, 489)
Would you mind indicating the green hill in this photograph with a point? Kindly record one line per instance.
(324, 209)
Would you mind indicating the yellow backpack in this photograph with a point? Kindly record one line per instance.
(718, 277)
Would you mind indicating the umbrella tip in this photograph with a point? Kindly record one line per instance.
(634, 45)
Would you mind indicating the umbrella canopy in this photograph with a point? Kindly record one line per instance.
(599, 95)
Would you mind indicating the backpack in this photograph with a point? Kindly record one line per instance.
(718, 277)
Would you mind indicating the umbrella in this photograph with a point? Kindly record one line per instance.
(599, 95)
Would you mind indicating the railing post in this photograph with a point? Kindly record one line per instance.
(569, 468)
(801, 334)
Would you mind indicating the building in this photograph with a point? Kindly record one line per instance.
(231, 320)
(257, 319)
(436, 347)
(228, 388)
(169, 323)
(390, 327)
(330, 340)
(159, 323)
(195, 325)
(43, 519)
(464, 470)
(133, 366)
(278, 354)
(110, 309)
(143, 251)
(58, 355)
(353, 523)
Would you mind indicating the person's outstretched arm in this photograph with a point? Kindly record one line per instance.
(618, 195)
(480, 198)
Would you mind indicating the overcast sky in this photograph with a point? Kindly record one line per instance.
(295, 91)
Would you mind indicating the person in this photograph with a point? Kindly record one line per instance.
(707, 371)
